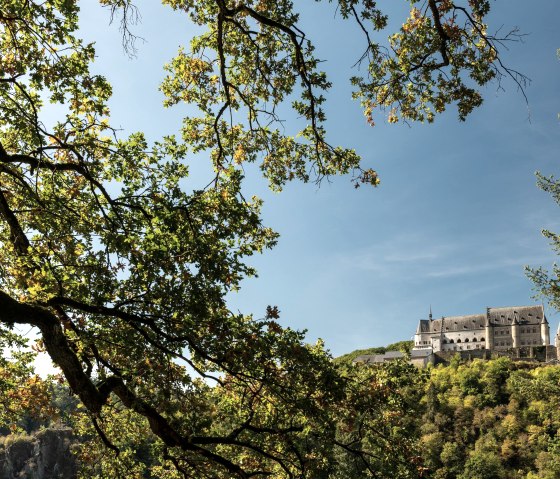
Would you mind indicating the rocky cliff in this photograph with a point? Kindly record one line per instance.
(43, 455)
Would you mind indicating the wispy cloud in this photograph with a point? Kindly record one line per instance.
(427, 257)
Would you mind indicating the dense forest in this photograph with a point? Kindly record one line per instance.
(495, 419)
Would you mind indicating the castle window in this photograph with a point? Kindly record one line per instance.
(459, 340)
(522, 330)
(451, 341)
(534, 330)
(474, 340)
(466, 340)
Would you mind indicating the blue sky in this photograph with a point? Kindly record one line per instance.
(457, 215)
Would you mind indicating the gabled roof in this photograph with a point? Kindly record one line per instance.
(521, 314)
(497, 316)
(379, 358)
(452, 323)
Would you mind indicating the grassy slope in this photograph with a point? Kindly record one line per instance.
(403, 346)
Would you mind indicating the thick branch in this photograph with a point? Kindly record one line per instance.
(17, 235)
(14, 312)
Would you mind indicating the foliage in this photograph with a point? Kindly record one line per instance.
(24, 397)
(492, 418)
(124, 272)
(483, 419)
(402, 346)
(548, 285)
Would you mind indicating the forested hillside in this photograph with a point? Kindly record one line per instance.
(494, 419)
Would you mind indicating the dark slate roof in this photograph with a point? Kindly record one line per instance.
(498, 316)
(378, 358)
(392, 355)
(523, 314)
(453, 323)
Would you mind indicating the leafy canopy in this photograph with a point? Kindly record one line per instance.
(124, 272)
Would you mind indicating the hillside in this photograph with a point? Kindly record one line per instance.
(403, 346)
(495, 419)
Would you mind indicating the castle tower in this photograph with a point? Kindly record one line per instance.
(489, 331)
(515, 331)
(545, 331)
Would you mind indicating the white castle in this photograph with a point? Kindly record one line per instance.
(498, 329)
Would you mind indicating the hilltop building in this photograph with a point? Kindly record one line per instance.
(518, 332)
(379, 358)
(500, 329)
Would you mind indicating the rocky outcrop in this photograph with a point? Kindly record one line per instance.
(43, 455)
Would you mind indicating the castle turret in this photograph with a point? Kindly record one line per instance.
(545, 331)
(489, 332)
(515, 330)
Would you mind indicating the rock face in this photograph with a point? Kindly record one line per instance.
(44, 455)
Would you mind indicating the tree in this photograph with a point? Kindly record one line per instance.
(124, 273)
(548, 285)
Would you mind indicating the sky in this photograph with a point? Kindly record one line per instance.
(457, 215)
